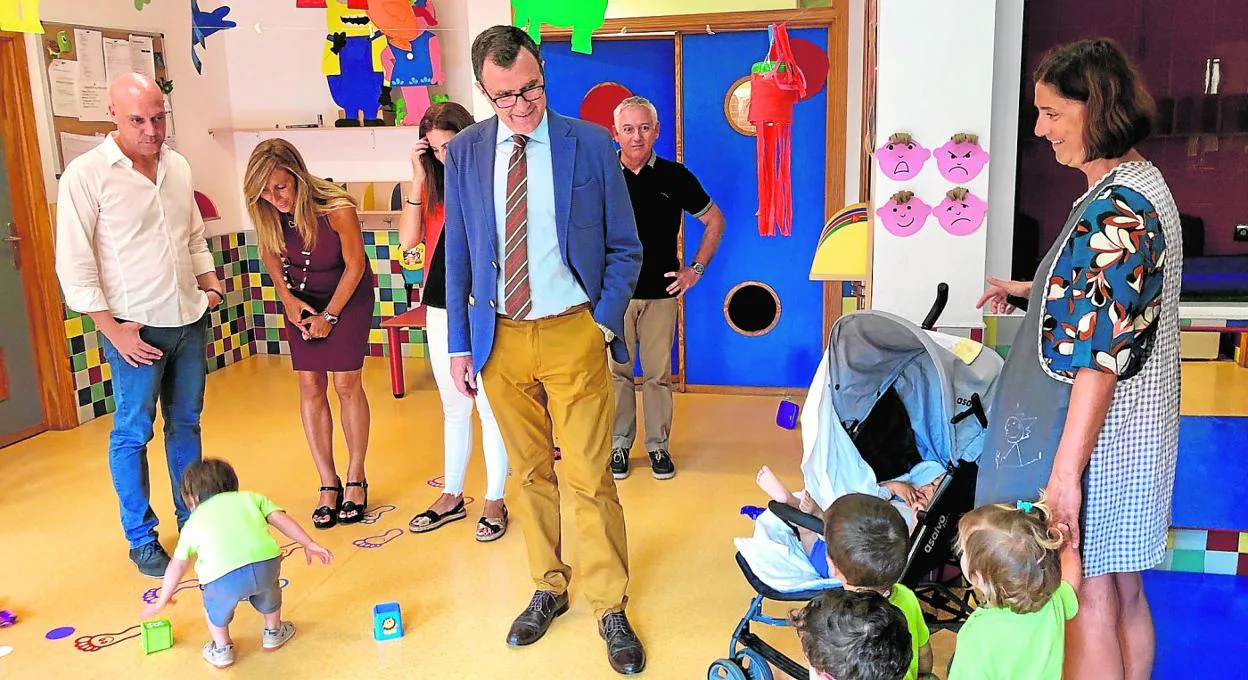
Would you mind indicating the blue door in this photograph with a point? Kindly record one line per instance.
(644, 67)
(725, 162)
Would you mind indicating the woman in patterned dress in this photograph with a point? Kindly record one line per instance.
(1093, 376)
(312, 248)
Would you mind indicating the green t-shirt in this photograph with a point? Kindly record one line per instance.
(997, 644)
(903, 598)
(228, 531)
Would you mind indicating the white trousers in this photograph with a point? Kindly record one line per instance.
(457, 418)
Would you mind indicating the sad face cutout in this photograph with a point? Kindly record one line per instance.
(961, 213)
(904, 214)
(901, 157)
(961, 158)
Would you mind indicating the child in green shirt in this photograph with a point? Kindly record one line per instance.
(853, 635)
(237, 558)
(1026, 575)
(867, 545)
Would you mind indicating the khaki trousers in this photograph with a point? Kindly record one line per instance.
(650, 325)
(553, 372)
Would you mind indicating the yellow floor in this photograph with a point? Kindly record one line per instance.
(63, 561)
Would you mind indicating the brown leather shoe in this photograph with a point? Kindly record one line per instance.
(624, 650)
(532, 623)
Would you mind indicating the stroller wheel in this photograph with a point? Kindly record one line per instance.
(726, 669)
(756, 667)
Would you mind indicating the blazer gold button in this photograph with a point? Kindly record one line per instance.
(471, 300)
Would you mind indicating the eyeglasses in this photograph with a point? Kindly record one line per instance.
(530, 94)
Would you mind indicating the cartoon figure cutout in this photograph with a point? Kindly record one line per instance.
(961, 213)
(961, 158)
(413, 61)
(901, 157)
(904, 214)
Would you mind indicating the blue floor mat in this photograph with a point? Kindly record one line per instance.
(1201, 621)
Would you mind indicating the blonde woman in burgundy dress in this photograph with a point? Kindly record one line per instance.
(312, 248)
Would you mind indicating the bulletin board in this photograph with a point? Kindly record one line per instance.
(61, 44)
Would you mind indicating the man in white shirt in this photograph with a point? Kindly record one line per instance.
(131, 254)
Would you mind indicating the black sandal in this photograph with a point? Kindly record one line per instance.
(328, 515)
(494, 527)
(352, 512)
(436, 520)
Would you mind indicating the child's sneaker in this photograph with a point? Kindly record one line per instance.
(276, 637)
(221, 657)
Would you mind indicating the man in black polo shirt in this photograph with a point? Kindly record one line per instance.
(660, 190)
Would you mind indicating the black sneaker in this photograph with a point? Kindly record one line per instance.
(661, 464)
(619, 463)
(151, 559)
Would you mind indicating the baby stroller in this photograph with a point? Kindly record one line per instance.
(887, 394)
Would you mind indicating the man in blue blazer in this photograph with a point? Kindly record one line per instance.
(542, 256)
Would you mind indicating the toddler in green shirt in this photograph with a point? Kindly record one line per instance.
(867, 544)
(236, 557)
(1026, 575)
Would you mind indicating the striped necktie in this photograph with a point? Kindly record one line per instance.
(518, 299)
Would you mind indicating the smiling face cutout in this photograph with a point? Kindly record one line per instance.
(961, 159)
(904, 214)
(901, 157)
(961, 213)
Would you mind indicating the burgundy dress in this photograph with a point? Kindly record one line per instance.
(313, 277)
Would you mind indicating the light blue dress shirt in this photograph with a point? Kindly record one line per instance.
(554, 288)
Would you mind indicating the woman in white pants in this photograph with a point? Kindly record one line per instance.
(422, 221)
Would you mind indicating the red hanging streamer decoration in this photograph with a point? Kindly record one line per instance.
(775, 86)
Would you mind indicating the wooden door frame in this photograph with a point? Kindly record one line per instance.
(835, 20)
(33, 224)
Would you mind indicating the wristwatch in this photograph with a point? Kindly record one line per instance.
(698, 268)
(333, 320)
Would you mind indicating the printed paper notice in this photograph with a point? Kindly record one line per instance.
(142, 56)
(73, 146)
(92, 102)
(89, 46)
(116, 58)
(63, 79)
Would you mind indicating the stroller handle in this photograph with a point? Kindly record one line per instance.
(942, 298)
(794, 517)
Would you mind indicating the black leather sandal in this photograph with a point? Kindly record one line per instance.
(434, 520)
(494, 527)
(352, 512)
(325, 517)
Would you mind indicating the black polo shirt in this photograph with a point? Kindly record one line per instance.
(660, 193)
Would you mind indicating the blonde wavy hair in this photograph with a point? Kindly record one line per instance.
(957, 194)
(313, 195)
(902, 197)
(1013, 554)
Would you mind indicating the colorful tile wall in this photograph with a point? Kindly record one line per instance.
(1207, 551)
(250, 322)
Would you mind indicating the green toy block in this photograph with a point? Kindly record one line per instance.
(157, 635)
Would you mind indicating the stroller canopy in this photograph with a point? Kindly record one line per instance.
(937, 377)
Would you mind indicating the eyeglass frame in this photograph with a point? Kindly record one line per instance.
(540, 88)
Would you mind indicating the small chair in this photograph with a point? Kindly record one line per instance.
(395, 325)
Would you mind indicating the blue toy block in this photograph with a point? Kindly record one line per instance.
(156, 635)
(786, 414)
(387, 621)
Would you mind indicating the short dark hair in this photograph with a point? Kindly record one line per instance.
(1097, 72)
(206, 478)
(502, 44)
(854, 635)
(867, 541)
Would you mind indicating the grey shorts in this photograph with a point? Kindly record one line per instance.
(256, 582)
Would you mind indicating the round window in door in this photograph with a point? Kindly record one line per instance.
(752, 308)
(737, 107)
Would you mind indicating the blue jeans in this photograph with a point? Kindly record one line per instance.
(177, 381)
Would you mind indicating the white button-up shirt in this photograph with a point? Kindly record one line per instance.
(554, 288)
(128, 246)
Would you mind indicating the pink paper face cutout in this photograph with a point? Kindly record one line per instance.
(901, 160)
(961, 218)
(960, 161)
(904, 219)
